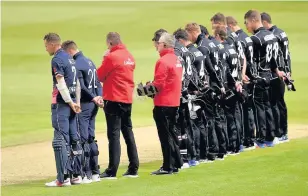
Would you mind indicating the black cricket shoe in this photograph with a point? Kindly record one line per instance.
(131, 174)
(176, 170)
(107, 176)
(161, 171)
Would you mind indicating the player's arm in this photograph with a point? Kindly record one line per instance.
(78, 92)
(286, 55)
(58, 69)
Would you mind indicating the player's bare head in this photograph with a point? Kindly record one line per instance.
(266, 20)
(182, 36)
(166, 40)
(193, 30)
(220, 33)
(232, 23)
(218, 20)
(252, 20)
(70, 47)
(157, 35)
(204, 30)
(113, 39)
(52, 42)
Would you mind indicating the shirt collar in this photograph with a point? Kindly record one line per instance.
(166, 51)
(78, 54)
(272, 28)
(259, 29)
(199, 38)
(117, 47)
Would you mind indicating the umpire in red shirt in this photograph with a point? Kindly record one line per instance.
(117, 75)
(168, 82)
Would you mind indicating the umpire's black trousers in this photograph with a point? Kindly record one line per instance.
(118, 117)
(262, 109)
(165, 118)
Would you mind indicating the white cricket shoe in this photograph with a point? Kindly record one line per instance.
(86, 180)
(185, 166)
(96, 178)
(56, 183)
(76, 180)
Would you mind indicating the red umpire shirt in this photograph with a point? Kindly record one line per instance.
(168, 79)
(117, 74)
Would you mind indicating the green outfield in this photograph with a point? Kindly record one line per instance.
(26, 71)
(279, 171)
(27, 84)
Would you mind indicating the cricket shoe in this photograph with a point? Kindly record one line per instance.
(269, 143)
(241, 148)
(56, 183)
(96, 178)
(234, 153)
(260, 145)
(206, 161)
(131, 174)
(76, 180)
(276, 141)
(107, 176)
(161, 171)
(284, 139)
(185, 166)
(192, 163)
(86, 180)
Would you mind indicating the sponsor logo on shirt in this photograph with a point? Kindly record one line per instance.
(129, 62)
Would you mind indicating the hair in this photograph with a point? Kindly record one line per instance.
(204, 30)
(113, 38)
(231, 21)
(219, 18)
(221, 32)
(181, 34)
(52, 37)
(69, 44)
(193, 27)
(253, 15)
(266, 17)
(157, 34)
(167, 39)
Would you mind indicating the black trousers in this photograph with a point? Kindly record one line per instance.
(200, 134)
(275, 95)
(212, 138)
(185, 125)
(118, 118)
(283, 109)
(221, 130)
(263, 111)
(249, 122)
(165, 118)
(233, 115)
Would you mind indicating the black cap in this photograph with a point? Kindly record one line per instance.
(157, 34)
(204, 30)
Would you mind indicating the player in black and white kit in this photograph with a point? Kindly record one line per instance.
(265, 47)
(284, 64)
(248, 117)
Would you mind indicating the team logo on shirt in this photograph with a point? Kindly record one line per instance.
(129, 62)
(71, 61)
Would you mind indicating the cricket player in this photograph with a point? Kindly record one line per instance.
(265, 52)
(65, 105)
(233, 85)
(197, 61)
(117, 75)
(219, 20)
(168, 82)
(210, 51)
(91, 98)
(284, 64)
(247, 45)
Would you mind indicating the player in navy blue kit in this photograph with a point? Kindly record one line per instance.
(91, 98)
(65, 105)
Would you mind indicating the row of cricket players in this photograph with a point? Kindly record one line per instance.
(232, 95)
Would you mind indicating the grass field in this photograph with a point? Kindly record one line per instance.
(282, 170)
(26, 90)
(26, 78)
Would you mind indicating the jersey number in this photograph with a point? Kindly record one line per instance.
(92, 74)
(270, 49)
(234, 63)
(74, 72)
